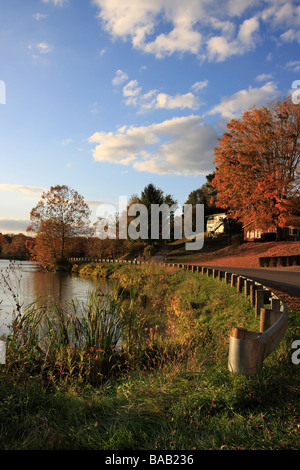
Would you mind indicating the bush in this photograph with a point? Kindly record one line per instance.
(288, 260)
(62, 264)
(237, 239)
(149, 250)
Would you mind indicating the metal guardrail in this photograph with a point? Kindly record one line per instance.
(247, 349)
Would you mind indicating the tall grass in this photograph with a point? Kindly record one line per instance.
(63, 341)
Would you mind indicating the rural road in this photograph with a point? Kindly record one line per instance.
(289, 280)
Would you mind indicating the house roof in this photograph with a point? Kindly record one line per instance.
(293, 222)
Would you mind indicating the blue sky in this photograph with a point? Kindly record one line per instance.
(107, 96)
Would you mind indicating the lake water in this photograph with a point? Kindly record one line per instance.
(29, 283)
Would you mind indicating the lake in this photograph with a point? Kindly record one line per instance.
(26, 281)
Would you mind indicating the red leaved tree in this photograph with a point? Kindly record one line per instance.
(60, 215)
(257, 166)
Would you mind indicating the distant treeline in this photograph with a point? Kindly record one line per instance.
(13, 246)
(17, 247)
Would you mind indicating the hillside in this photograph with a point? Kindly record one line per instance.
(244, 255)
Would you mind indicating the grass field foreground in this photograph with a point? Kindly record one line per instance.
(152, 377)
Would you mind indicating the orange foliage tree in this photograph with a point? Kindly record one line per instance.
(257, 166)
(60, 215)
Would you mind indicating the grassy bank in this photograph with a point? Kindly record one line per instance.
(145, 368)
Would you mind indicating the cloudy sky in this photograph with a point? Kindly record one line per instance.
(107, 96)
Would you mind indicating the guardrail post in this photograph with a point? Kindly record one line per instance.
(276, 312)
(240, 282)
(253, 288)
(239, 332)
(204, 269)
(227, 277)
(265, 319)
(247, 286)
(233, 280)
(215, 273)
(259, 301)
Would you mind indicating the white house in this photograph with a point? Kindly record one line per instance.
(215, 224)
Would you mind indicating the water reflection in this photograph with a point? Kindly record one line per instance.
(29, 284)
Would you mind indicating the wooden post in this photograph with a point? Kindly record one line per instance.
(227, 277)
(215, 273)
(204, 270)
(259, 301)
(239, 332)
(265, 317)
(233, 280)
(275, 310)
(247, 285)
(240, 282)
(253, 288)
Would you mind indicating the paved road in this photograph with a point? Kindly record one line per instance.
(289, 280)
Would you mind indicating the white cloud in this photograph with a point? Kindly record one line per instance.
(153, 99)
(164, 101)
(94, 108)
(137, 19)
(180, 39)
(58, 3)
(199, 85)
(293, 65)
(221, 47)
(66, 141)
(264, 76)
(237, 8)
(119, 78)
(199, 27)
(131, 89)
(233, 106)
(22, 188)
(39, 49)
(39, 16)
(281, 13)
(44, 48)
(180, 146)
(291, 35)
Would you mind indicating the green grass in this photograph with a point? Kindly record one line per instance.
(167, 388)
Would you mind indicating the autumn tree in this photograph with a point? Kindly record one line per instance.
(257, 166)
(60, 215)
(3, 245)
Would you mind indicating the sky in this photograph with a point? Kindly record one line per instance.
(107, 96)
